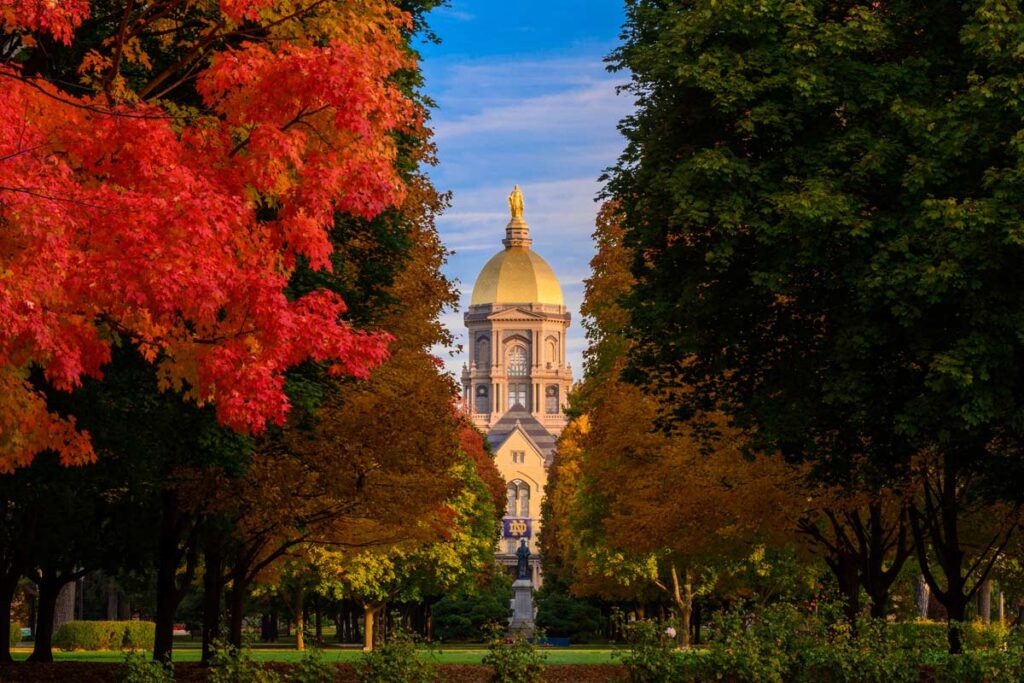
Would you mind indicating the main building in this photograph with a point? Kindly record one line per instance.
(515, 383)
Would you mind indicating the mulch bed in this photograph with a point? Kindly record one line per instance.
(102, 672)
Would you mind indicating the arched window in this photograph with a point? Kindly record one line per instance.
(483, 352)
(482, 404)
(516, 362)
(551, 400)
(518, 493)
(551, 350)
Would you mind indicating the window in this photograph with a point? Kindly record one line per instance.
(510, 546)
(518, 498)
(517, 395)
(519, 456)
(551, 351)
(551, 400)
(483, 352)
(516, 361)
(482, 403)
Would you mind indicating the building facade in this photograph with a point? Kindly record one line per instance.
(516, 380)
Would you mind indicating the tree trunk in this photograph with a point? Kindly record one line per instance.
(922, 593)
(845, 570)
(166, 608)
(213, 587)
(957, 610)
(64, 610)
(1002, 606)
(683, 597)
(42, 648)
(174, 546)
(8, 586)
(697, 619)
(369, 611)
(300, 617)
(237, 595)
(985, 602)
(124, 608)
(112, 611)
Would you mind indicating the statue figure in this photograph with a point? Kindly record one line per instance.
(515, 203)
(523, 557)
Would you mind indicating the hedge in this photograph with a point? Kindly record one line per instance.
(15, 634)
(105, 635)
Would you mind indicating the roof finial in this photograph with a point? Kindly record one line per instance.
(517, 232)
(515, 203)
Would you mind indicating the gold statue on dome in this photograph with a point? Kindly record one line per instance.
(515, 203)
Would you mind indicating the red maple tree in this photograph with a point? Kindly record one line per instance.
(125, 216)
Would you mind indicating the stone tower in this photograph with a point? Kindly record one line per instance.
(515, 383)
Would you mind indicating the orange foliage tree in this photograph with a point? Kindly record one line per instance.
(163, 166)
(631, 507)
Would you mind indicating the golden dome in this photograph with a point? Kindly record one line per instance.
(517, 276)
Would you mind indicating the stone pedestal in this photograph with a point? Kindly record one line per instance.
(522, 608)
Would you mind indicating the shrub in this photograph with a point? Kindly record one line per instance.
(138, 668)
(463, 616)
(313, 669)
(783, 644)
(977, 666)
(15, 634)
(563, 616)
(873, 652)
(105, 635)
(516, 659)
(651, 657)
(395, 660)
(138, 635)
(231, 665)
(755, 648)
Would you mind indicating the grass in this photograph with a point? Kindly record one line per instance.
(459, 654)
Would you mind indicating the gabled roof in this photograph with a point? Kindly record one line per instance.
(514, 314)
(521, 419)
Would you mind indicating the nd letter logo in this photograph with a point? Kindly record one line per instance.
(517, 527)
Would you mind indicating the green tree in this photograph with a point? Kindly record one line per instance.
(463, 614)
(823, 202)
(444, 552)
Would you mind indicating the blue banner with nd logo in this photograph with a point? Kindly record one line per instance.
(518, 528)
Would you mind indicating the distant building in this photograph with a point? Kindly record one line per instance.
(515, 383)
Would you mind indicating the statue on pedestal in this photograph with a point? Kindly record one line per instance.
(522, 594)
(523, 564)
(515, 203)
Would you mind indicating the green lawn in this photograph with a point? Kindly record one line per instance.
(461, 654)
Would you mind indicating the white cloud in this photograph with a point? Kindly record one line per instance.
(568, 111)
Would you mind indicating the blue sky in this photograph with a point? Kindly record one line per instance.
(523, 97)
